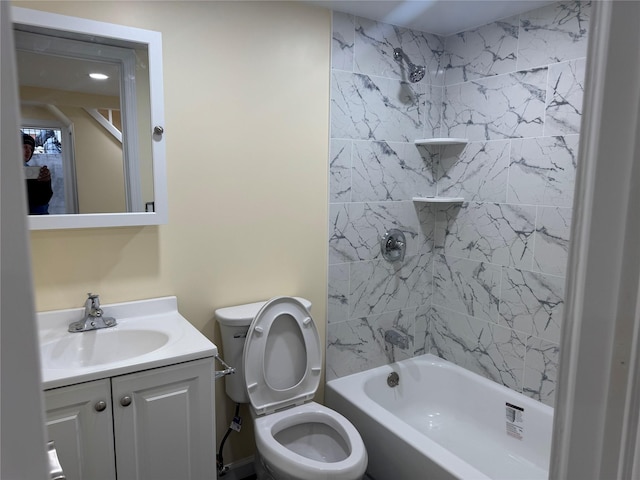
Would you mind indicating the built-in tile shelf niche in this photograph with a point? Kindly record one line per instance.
(436, 142)
(441, 141)
(438, 199)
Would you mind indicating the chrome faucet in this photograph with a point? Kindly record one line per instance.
(93, 318)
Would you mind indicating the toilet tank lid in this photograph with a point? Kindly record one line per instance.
(243, 315)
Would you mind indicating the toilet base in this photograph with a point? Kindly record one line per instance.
(265, 472)
(260, 466)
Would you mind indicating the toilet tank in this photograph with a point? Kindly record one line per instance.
(234, 325)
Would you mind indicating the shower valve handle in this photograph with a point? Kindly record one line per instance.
(393, 245)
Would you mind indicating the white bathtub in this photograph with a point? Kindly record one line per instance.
(443, 422)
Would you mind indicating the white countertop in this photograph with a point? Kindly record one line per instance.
(68, 358)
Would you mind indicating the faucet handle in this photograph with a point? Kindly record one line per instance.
(91, 299)
(93, 305)
(393, 245)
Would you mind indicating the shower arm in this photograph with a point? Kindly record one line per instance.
(416, 72)
(399, 55)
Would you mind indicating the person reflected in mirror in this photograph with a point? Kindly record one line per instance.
(39, 190)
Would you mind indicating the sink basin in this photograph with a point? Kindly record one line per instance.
(98, 347)
(150, 334)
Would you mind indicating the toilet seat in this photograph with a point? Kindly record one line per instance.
(296, 465)
(282, 356)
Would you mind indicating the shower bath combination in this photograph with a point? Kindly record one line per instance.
(416, 72)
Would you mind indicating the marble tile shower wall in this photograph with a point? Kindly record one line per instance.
(482, 282)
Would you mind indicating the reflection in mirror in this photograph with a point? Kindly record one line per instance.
(49, 152)
(51, 80)
(109, 162)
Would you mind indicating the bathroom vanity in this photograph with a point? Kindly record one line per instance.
(149, 415)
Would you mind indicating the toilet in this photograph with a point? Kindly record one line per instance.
(275, 348)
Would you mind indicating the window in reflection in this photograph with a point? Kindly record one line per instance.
(50, 151)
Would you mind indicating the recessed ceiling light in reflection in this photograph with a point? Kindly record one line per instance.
(98, 76)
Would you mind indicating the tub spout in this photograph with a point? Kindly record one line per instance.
(396, 338)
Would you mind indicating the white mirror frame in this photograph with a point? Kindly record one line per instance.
(153, 41)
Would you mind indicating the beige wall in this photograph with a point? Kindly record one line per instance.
(247, 118)
(99, 165)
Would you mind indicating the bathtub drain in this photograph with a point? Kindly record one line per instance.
(393, 379)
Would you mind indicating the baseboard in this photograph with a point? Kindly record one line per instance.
(239, 470)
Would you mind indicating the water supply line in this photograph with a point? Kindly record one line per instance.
(236, 424)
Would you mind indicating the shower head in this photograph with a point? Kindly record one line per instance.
(416, 72)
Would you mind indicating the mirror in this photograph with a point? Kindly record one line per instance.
(102, 140)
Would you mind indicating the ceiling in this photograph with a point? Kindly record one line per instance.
(442, 17)
(62, 73)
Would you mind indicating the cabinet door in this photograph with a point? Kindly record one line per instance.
(82, 429)
(164, 423)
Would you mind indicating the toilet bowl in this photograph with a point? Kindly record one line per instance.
(275, 348)
(310, 442)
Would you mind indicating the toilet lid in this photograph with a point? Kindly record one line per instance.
(282, 357)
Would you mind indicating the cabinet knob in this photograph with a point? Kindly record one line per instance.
(125, 401)
(100, 406)
(158, 130)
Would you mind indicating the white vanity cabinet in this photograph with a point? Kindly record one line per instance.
(156, 424)
(163, 423)
(80, 423)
